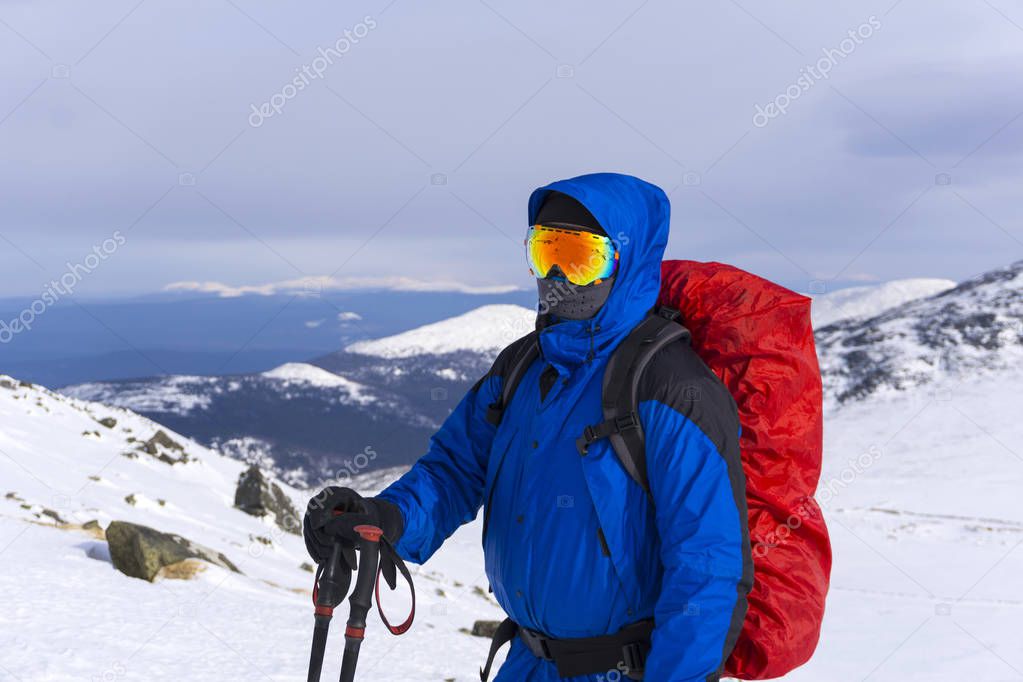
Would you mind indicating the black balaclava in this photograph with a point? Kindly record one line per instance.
(558, 296)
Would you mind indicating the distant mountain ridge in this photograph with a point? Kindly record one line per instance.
(872, 299)
(390, 394)
(196, 333)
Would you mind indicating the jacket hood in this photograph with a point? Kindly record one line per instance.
(635, 214)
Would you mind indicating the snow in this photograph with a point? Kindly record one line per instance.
(68, 614)
(872, 300)
(305, 374)
(486, 329)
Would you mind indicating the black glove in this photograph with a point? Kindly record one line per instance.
(322, 525)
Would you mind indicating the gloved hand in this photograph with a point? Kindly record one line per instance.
(322, 525)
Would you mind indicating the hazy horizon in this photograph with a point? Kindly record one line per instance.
(248, 143)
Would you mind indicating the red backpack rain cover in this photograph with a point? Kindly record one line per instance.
(756, 336)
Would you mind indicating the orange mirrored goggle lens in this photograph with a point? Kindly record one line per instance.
(584, 257)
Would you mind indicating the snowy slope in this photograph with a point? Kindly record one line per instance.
(873, 299)
(920, 491)
(68, 614)
(975, 327)
(487, 329)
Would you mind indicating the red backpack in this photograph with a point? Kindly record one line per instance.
(757, 338)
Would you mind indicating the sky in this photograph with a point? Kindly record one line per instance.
(817, 144)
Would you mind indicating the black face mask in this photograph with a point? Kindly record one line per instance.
(561, 298)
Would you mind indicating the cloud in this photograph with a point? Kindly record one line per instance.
(311, 286)
(348, 316)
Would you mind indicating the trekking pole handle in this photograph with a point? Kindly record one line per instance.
(361, 599)
(328, 591)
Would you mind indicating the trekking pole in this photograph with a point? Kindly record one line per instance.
(330, 587)
(362, 598)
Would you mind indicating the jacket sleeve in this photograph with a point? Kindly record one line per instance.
(698, 489)
(444, 489)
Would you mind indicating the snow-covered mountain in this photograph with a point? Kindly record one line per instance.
(385, 396)
(975, 327)
(71, 467)
(485, 330)
(872, 299)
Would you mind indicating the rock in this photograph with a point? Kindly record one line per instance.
(258, 496)
(140, 551)
(130, 499)
(7, 383)
(161, 438)
(108, 422)
(26, 384)
(53, 515)
(485, 628)
(306, 566)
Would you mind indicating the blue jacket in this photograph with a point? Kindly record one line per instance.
(573, 546)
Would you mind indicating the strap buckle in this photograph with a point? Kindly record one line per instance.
(629, 421)
(604, 429)
(536, 643)
(634, 659)
(582, 443)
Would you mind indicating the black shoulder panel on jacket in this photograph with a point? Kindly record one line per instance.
(506, 359)
(679, 379)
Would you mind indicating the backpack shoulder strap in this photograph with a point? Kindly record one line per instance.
(620, 392)
(517, 367)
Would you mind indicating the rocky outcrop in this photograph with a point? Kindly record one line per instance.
(259, 496)
(165, 448)
(141, 551)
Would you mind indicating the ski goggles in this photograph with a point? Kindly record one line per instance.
(583, 257)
